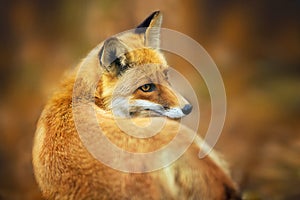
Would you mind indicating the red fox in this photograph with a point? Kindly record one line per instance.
(132, 84)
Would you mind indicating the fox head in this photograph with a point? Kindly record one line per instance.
(134, 78)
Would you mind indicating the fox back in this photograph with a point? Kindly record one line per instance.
(125, 77)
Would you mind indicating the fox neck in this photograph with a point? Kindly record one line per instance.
(102, 95)
(108, 88)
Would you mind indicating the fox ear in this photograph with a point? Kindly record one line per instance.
(151, 28)
(111, 55)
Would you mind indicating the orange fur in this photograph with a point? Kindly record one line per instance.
(65, 169)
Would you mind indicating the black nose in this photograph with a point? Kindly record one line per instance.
(187, 109)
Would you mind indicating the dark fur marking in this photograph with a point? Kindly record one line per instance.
(119, 67)
(146, 23)
(230, 193)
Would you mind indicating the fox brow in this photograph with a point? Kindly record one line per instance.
(138, 77)
(156, 74)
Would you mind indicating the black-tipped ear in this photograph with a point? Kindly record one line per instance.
(151, 28)
(111, 55)
(146, 23)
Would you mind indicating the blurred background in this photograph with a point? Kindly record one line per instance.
(255, 44)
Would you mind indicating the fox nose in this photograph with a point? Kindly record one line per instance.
(187, 109)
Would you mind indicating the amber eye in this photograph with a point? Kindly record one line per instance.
(147, 87)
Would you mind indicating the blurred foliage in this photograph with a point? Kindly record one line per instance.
(255, 44)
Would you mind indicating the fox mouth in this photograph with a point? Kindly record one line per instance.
(154, 113)
(144, 108)
(146, 113)
(173, 113)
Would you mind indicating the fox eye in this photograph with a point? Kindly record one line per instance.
(148, 87)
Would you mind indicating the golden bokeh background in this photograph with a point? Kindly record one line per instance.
(255, 44)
